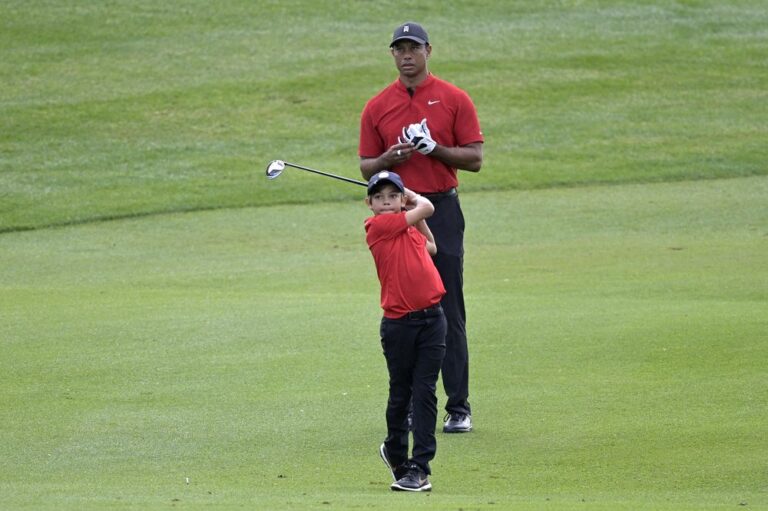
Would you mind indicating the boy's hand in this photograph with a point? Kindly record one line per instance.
(417, 207)
(410, 199)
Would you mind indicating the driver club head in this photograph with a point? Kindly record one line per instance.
(275, 168)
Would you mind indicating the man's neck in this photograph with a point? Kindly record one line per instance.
(411, 83)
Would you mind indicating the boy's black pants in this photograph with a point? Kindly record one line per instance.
(414, 347)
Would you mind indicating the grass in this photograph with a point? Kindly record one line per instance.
(179, 332)
(616, 351)
(118, 109)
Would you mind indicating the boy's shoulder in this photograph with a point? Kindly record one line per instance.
(386, 223)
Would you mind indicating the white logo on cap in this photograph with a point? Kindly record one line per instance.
(407, 28)
(383, 175)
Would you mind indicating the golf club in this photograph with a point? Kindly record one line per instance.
(276, 167)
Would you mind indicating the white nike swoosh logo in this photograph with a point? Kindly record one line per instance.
(431, 102)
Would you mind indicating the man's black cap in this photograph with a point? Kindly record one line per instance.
(412, 31)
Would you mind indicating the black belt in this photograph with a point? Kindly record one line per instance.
(435, 310)
(433, 197)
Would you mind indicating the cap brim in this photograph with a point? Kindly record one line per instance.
(410, 38)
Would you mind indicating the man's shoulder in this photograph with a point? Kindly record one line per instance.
(384, 93)
(445, 85)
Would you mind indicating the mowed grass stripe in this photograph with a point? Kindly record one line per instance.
(114, 111)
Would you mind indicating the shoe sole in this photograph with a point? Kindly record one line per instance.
(426, 487)
(386, 462)
(457, 430)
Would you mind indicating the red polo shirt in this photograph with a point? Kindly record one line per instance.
(451, 119)
(408, 277)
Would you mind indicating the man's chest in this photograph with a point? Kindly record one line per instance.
(435, 108)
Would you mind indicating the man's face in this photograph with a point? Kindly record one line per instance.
(386, 200)
(411, 57)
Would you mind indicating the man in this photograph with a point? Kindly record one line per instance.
(425, 129)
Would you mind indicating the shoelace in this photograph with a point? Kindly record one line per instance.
(414, 472)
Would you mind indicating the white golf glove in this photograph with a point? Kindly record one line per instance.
(419, 136)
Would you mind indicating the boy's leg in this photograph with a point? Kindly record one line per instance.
(429, 358)
(398, 343)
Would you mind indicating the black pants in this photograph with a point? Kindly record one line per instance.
(414, 348)
(447, 225)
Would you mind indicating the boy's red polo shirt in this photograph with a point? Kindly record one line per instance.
(409, 279)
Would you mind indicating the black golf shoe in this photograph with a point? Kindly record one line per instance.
(397, 472)
(415, 479)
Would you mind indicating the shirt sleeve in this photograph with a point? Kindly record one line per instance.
(382, 227)
(467, 123)
(371, 145)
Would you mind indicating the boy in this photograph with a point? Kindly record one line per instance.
(413, 327)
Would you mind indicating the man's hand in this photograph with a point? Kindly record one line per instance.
(419, 136)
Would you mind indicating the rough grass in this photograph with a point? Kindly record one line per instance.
(120, 109)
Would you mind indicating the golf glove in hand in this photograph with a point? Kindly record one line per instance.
(419, 136)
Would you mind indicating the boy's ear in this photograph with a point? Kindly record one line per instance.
(368, 201)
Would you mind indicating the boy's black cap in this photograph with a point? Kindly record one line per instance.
(387, 176)
(412, 31)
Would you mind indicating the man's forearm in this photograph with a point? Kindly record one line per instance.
(370, 166)
(469, 157)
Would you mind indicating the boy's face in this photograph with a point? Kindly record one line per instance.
(387, 199)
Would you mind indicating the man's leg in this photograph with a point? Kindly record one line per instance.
(455, 367)
(447, 225)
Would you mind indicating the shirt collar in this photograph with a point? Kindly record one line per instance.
(426, 83)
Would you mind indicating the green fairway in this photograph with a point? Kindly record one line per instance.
(618, 345)
(178, 332)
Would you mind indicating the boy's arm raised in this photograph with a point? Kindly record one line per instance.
(418, 210)
(417, 207)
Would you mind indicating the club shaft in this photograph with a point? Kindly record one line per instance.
(342, 178)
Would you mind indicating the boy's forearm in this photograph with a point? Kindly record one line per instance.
(422, 208)
(425, 203)
(424, 229)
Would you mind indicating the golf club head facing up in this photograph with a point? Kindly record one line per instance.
(275, 168)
